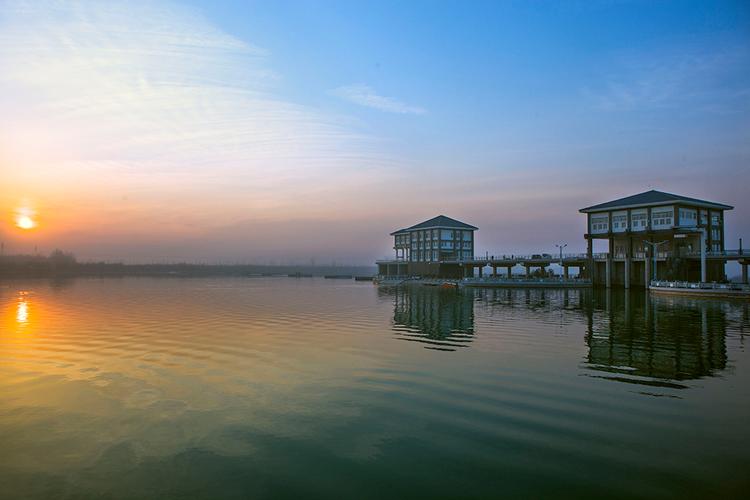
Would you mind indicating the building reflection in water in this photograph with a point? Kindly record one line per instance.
(657, 341)
(438, 318)
(629, 337)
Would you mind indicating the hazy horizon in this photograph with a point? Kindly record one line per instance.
(211, 132)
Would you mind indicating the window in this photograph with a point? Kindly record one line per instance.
(662, 217)
(599, 224)
(638, 220)
(688, 217)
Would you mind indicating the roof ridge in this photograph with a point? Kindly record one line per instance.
(439, 221)
(652, 197)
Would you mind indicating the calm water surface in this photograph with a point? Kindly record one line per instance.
(280, 387)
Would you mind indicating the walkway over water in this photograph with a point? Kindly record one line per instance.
(578, 260)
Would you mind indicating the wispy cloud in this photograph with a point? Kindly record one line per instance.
(365, 95)
(150, 97)
(685, 75)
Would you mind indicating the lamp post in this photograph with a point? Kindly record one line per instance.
(561, 246)
(654, 247)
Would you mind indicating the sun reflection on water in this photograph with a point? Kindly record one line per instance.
(22, 309)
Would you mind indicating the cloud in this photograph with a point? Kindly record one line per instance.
(366, 96)
(687, 75)
(151, 98)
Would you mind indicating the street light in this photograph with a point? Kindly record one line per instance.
(654, 247)
(561, 246)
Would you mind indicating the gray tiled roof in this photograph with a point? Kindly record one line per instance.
(653, 197)
(441, 221)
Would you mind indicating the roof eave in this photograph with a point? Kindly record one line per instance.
(467, 228)
(595, 208)
(410, 229)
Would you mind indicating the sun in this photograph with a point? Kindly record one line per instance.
(25, 222)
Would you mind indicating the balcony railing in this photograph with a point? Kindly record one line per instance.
(723, 253)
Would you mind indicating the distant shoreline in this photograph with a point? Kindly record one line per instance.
(15, 266)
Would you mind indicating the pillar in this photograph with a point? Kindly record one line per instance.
(608, 271)
(528, 271)
(627, 271)
(646, 271)
(481, 270)
(566, 272)
(744, 273)
(494, 271)
(510, 272)
(590, 267)
(703, 252)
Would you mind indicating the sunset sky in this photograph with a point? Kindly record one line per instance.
(287, 131)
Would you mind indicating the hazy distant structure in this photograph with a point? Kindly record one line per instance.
(434, 247)
(683, 236)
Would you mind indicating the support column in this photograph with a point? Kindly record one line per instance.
(703, 252)
(510, 272)
(647, 271)
(627, 272)
(481, 270)
(494, 271)
(528, 271)
(590, 268)
(744, 273)
(566, 272)
(608, 271)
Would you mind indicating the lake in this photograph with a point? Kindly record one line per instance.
(290, 388)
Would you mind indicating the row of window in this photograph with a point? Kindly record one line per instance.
(432, 256)
(637, 221)
(433, 234)
(443, 244)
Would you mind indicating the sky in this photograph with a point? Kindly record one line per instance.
(291, 132)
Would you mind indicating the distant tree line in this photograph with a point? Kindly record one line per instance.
(65, 264)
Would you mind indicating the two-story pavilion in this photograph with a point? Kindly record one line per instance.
(685, 229)
(434, 247)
